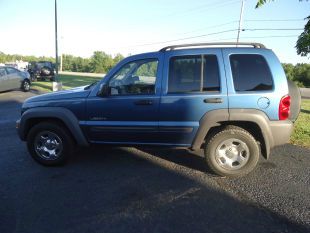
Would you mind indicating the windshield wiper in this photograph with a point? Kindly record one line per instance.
(91, 85)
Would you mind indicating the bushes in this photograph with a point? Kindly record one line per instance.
(300, 73)
(100, 62)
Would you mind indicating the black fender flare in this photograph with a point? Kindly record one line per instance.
(224, 116)
(59, 113)
(209, 120)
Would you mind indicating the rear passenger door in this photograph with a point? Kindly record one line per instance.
(194, 84)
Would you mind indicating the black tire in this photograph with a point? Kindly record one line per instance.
(250, 154)
(26, 85)
(56, 129)
(295, 95)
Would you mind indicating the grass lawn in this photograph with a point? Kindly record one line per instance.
(301, 135)
(68, 81)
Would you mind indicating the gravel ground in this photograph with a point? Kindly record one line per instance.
(126, 189)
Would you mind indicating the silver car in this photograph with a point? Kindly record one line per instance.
(11, 78)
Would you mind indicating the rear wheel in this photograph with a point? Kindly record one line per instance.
(49, 143)
(232, 152)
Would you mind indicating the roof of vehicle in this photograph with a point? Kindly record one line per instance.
(212, 45)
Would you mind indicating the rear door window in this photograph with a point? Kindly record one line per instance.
(250, 72)
(194, 73)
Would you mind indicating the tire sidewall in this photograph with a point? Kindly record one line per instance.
(61, 133)
(210, 152)
(23, 86)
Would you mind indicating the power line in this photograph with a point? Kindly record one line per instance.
(254, 37)
(215, 33)
(257, 37)
(272, 29)
(273, 36)
(272, 20)
(236, 21)
(213, 26)
(185, 38)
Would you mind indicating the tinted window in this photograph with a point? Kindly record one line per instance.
(211, 78)
(186, 74)
(250, 72)
(11, 70)
(135, 78)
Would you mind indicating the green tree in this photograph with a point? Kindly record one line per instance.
(118, 58)
(262, 2)
(289, 71)
(302, 74)
(303, 42)
(67, 61)
(101, 62)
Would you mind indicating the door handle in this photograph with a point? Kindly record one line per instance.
(213, 100)
(143, 102)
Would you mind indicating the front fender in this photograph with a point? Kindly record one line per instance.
(59, 113)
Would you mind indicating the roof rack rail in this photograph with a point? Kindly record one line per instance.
(255, 45)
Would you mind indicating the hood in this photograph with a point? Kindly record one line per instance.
(78, 92)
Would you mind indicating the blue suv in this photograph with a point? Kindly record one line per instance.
(232, 100)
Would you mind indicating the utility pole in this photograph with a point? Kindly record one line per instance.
(240, 20)
(56, 85)
(56, 42)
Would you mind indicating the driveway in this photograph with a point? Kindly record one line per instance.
(126, 189)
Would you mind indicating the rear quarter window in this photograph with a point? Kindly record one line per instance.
(250, 72)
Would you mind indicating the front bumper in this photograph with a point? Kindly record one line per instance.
(18, 128)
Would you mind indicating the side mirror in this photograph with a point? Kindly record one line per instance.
(103, 90)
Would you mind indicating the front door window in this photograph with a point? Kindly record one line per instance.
(135, 78)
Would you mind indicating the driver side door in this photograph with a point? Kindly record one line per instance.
(13, 78)
(128, 114)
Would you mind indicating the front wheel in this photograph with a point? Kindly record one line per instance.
(49, 143)
(26, 85)
(232, 152)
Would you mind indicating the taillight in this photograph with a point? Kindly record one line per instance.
(284, 107)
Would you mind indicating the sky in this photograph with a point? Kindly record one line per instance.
(136, 26)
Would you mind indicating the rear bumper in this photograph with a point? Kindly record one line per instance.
(280, 132)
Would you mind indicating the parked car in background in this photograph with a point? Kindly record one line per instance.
(232, 100)
(42, 70)
(11, 78)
